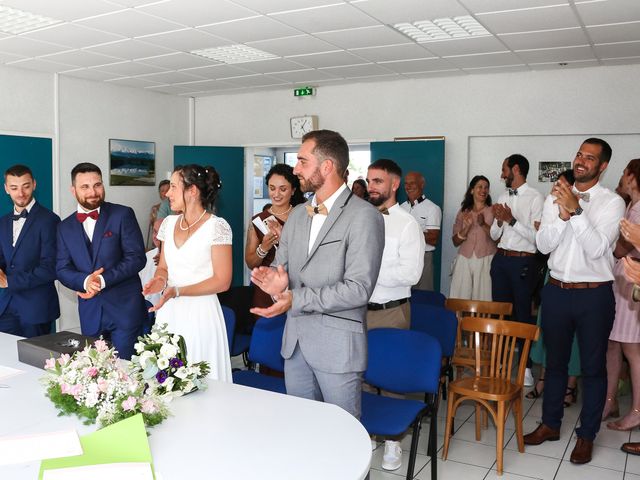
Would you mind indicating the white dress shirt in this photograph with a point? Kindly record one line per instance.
(427, 214)
(582, 247)
(402, 257)
(526, 208)
(318, 220)
(18, 224)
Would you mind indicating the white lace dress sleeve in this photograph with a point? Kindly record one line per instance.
(222, 234)
(162, 231)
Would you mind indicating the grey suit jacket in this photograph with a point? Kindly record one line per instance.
(332, 284)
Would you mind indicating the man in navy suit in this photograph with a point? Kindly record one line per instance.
(100, 252)
(29, 301)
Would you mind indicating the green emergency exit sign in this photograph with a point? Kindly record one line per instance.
(303, 92)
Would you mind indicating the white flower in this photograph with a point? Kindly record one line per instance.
(139, 347)
(175, 339)
(168, 384)
(145, 357)
(163, 363)
(154, 336)
(168, 351)
(181, 373)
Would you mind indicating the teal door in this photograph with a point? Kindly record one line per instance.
(426, 157)
(229, 163)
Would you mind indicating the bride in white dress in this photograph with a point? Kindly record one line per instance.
(195, 264)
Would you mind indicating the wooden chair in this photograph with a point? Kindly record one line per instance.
(464, 354)
(498, 391)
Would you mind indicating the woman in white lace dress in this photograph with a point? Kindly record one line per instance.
(195, 264)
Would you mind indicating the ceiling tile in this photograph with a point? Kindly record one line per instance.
(545, 39)
(90, 74)
(321, 19)
(618, 50)
(390, 12)
(218, 71)
(81, 58)
(8, 57)
(330, 59)
(254, 81)
(622, 32)
(28, 48)
(129, 49)
(171, 77)
(529, 20)
(274, 65)
(556, 66)
(479, 6)
(363, 37)
(486, 60)
(129, 68)
(273, 6)
(303, 76)
(72, 35)
(500, 69)
(251, 30)
(207, 85)
(130, 23)
(178, 61)
(612, 11)
(133, 3)
(132, 82)
(568, 54)
(192, 13)
(185, 40)
(168, 89)
(412, 66)
(436, 73)
(465, 46)
(66, 10)
(620, 61)
(408, 51)
(353, 71)
(40, 65)
(298, 45)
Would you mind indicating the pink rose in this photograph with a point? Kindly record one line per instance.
(101, 345)
(148, 406)
(129, 404)
(50, 364)
(91, 372)
(64, 388)
(103, 385)
(64, 359)
(75, 390)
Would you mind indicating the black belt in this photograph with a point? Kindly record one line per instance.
(573, 285)
(385, 306)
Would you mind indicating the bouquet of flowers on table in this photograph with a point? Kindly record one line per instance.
(161, 362)
(97, 386)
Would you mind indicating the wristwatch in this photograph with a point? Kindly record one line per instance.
(577, 211)
(512, 222)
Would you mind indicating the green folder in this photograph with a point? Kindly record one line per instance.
(125, 441)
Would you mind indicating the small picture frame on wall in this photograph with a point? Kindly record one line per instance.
(549, 171)
(132, 163)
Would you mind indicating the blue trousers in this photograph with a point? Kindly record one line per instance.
(10, 322)
(589, 313)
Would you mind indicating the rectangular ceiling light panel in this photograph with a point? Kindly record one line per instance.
(16, 21)
(442, 29)
(234, 54)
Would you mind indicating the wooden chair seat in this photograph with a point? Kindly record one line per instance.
(488, 388)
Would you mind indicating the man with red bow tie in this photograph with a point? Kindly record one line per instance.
(100, 252)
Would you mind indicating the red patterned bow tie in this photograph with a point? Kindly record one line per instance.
(83, 216)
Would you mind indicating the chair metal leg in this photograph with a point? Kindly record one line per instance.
(433, 442)
(414, 447)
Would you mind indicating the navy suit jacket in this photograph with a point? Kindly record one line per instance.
(117, 246)
(30, 266)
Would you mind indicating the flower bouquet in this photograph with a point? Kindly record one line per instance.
(161, 362)
(95, 385)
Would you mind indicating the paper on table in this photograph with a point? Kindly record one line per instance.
(105, 471)
(125, 441)
(6, 372)
(29, 448)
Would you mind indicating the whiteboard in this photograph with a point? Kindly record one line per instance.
(486, 155)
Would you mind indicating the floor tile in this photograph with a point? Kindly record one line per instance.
(383, 475)
(471, 453)
(450, 470)
(604, 457)
(488, 437)
(493, 475)
(611, 438)
(569, 471)
(631, 476)
(633, 464)
(528, 464)
(376, 461)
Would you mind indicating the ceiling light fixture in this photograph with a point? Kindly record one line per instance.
(16, 21)
(442, 29)
(234, 54)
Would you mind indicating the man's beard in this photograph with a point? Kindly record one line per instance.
(313, 183)
(509, 180)
(379, 200)
(91, 205)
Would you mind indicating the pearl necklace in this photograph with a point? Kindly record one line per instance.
(189, 226)
(282, 213)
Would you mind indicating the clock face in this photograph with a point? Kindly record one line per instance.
(302, 125)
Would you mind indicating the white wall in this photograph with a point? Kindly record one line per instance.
(27, 102)
(572, 101)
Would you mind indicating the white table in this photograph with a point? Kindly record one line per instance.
(226, 432)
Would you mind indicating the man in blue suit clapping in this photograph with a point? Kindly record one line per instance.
(29, 301)
(100, 252)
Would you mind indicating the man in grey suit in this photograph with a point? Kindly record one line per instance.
(327, 266)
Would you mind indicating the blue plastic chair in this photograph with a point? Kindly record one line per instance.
(441, 324)
(403, 361)
(428, 297)
(266, 341)
(230, 324)
(238, 342)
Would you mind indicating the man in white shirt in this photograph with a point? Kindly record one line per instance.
(513, 268)
(429, 217)
(579, 229)
(401, 267)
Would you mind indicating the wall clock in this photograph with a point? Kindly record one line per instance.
(302, 125)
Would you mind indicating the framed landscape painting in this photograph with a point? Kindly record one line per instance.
(132, 162)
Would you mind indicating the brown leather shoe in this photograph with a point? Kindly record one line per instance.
(582, 451)
(542, 434)
(631, 447)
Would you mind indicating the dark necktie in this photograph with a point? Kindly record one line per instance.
(22, 214)
(513, 191)
(83, 216)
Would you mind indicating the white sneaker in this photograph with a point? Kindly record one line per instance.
(392, 458)
(528, 378)
(374, 444)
